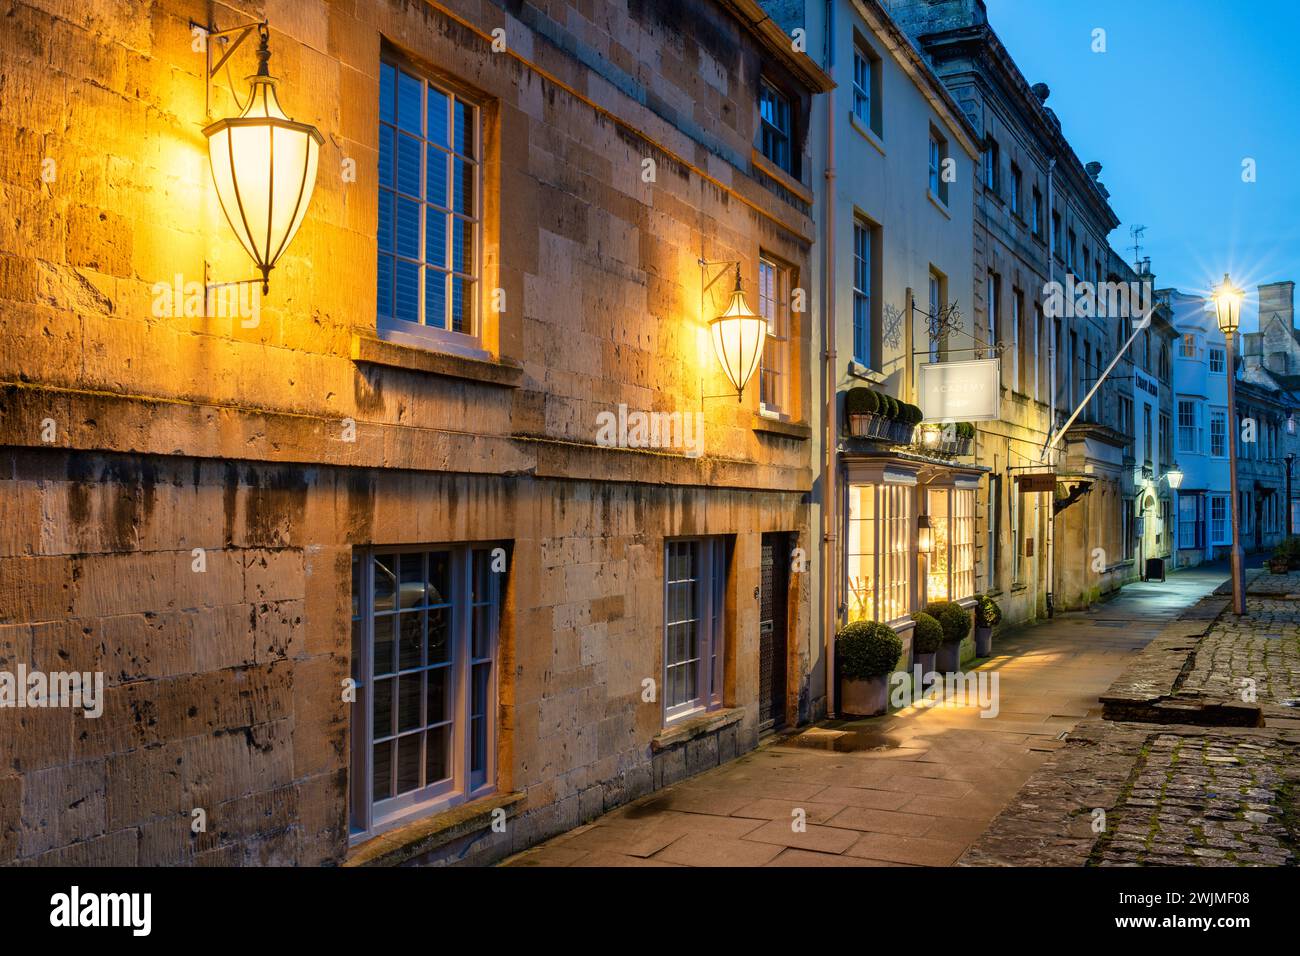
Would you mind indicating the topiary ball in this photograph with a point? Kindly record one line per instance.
(867, 649)
(928, 634)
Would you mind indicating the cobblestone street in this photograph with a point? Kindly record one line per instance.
(918, 786)
(1206, 771)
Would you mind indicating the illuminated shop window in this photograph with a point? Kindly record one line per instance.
(880, 551)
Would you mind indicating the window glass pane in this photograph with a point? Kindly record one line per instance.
(439, 577)
(384, 285)
(412, 580)
(382, 762)
(408, 228)
(436, 177)
(438, 695)
(439, 635)
(387, 93)
(406, 304)
(462, 245)
(384, 644)
(408, 165)
(408, 763)
(438, 754)
(435, 298)
(465, 178)
(385, 235)
(438, 123)
(462, 304)
(435, 253)
(383, 713)
(386, 156)
(410, 688)
(465, 130)
(411, 643)
(409, 94)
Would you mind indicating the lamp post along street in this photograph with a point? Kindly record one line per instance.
(1290, 460)
(1227, 304)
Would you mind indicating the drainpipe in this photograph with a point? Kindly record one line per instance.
(830, 487)
(1051, 387)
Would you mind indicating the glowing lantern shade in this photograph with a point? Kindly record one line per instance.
(264, 168)
(738, 339)
(924, 534)
(1175, 476)
(1227, 306)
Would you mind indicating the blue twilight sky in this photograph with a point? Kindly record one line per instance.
(1186, 90)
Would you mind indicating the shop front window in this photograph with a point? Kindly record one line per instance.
(880, 551)
(952, 562)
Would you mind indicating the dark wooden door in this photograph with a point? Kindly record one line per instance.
(772, 627)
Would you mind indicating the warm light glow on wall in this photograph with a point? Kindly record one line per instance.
(264, 169)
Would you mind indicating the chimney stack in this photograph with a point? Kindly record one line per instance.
(1277, 298)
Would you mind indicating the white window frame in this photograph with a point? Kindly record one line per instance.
(1017, 298)
(422, 333)
(937, 294)
(1224, 520)
(1193, 430)
(866, 98)
(709, 595)
(775, 280)
(781, 125)
(1219, 416)
(863, 320)
(1219, 358)
(369, 816)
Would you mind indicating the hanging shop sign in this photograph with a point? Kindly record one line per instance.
(961, 391)
(1035, 481)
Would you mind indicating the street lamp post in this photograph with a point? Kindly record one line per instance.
(1227, 305)
(1290, 460)
(1175, 478)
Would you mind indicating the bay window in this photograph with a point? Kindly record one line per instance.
(951, 575)
(881, 548)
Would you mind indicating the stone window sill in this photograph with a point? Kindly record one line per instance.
(407, 842)
(786, 429)
(938, 203)
(692, 727)
(782, 178)
(374, 351)
(867, 132)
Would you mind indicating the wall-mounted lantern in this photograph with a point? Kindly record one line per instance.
(738, 333)
(924, 534)
(263, 163)
(1175, 477)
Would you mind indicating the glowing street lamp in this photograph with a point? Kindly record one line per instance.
(1175, 477)
(738, 339)
(264, 168)
(1227, 306)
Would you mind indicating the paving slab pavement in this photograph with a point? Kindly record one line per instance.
(913, 788)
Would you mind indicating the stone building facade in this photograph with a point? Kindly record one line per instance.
(359, 569)
(1041, 216)
(894, 239)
